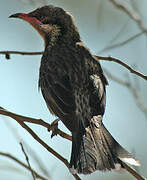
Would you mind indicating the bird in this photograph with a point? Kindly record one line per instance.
(73, 85)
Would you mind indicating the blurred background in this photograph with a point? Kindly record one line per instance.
(101, 25)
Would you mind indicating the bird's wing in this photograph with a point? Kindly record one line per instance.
(97, 82)
(61, 93)
(58, 95)
(97, 99)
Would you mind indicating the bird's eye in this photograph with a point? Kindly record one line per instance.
(44, 20)
(41, 17)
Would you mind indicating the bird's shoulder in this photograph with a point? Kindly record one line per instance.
(91, 63)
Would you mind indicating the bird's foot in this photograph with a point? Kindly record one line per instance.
(54, 127)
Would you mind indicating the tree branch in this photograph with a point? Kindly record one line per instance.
(95, 56)
(131, 88)
(121, 63)
(23, 165)
(113, 46)
(7, 53)
(37, 160)
(134, 16)
(20, 120)
(34, 121)
(133, 172)
(27, 159)
(29, 149)
(49, 149)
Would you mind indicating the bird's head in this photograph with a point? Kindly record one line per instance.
(51, 22)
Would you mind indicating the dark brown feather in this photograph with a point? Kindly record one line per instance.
(74, 88)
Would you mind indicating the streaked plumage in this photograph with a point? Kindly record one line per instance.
(73, 85)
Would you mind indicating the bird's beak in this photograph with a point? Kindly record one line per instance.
(26, 17)
(19, 15)
(32, 20)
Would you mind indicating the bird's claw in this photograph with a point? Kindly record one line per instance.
(54, 127)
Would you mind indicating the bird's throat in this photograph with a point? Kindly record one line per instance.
(52, 33)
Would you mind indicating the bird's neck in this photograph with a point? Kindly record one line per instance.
(58, 35)
(51, 35)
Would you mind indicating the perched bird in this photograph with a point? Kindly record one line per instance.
(73, 85)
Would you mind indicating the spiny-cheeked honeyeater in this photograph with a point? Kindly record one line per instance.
(74, 88)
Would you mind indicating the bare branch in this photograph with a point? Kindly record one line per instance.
(20, 120)
(133, 172)
(134, 16)
(34, 121)
(7, 53)
(48, 148)
(119, 33)
(36, 158)
(52, 151)
(121, 63)
(29, 149)
(27, 159)
(116, 79)
(121, 43)
(23, 165)
(95, 56)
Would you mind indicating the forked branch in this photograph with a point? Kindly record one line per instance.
(21, 119)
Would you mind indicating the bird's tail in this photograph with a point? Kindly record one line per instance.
(96, 149)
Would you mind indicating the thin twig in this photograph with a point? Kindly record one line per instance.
(134, 16)
(27, 159)
(119, 33)
(29, 149)
(121, 43)
(38, 160)
(131, 88)
(36, 137)
(52, 151)
(116, 79)
(22, 164)
(7, 53)
(48, 148)
(121, 63)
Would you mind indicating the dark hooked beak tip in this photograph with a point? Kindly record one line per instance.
(17, 15)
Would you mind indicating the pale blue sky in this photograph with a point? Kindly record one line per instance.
(98, 23)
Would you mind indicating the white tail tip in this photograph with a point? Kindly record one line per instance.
(131, 161)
